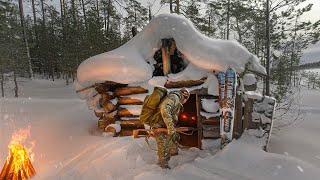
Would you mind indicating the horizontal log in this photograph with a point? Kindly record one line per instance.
(214, 121)
(123, 112)
(109, 107)
(106, 96)
(124, 91)
(130, 124)
(126, 132)
(111, 129)
(103, 87)
(185, 83)
(110, 115)
(105, 121)
(129, 101)
(98, 114)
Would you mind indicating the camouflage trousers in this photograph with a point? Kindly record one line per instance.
(166, 148)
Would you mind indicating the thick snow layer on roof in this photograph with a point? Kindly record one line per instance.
(191, 72)
(128, 63)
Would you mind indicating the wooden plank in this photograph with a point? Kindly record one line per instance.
(248, 108)
(238, 127)
(210, 122)
(199, 121)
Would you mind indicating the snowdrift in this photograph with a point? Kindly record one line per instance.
(132, 62)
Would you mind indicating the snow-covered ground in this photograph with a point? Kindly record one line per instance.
(66, 146)
(301, 139)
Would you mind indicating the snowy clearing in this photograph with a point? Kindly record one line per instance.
(65, 148)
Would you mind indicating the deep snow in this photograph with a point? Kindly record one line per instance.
(67, 146)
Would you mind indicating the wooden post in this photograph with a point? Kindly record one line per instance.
(166, 56)
(248, 108)
(238, 128)
(199, 121)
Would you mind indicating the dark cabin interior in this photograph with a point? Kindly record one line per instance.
(189, 118)
(177, 64)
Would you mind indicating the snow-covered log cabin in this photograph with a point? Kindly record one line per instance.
(170, 52)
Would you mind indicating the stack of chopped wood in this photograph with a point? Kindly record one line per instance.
(130, 100)
(119, 104)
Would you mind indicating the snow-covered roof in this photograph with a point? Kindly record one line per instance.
(129, 63)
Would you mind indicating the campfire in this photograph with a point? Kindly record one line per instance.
(18, 164)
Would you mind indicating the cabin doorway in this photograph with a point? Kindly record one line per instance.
(189, 117)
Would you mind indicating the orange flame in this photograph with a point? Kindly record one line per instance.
(18, 164)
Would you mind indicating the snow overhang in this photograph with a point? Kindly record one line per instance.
(128, 63)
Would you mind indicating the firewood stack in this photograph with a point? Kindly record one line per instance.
(117, 105)
(129, 108)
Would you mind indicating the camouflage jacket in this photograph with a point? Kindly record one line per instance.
(170, 108)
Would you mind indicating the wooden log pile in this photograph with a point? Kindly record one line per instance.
(115, 107)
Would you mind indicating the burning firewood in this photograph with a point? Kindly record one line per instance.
(18, 164)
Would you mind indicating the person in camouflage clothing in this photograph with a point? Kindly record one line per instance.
(170, 108)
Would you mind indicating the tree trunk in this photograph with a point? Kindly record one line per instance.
(43, 13)
(34, 18)
(105, 17)
(239, 31)
(108, 16)
(228, 19)
(268, 48)
(25, 38)
(16, 89)
(2, 85)
(84, 14)
(150, 16)
(178, 6)
(293, 47)
(97, 9)
(171, 9)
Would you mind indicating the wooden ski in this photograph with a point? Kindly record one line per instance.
(227, 84)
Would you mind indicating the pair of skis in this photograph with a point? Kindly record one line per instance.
(227, 93)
